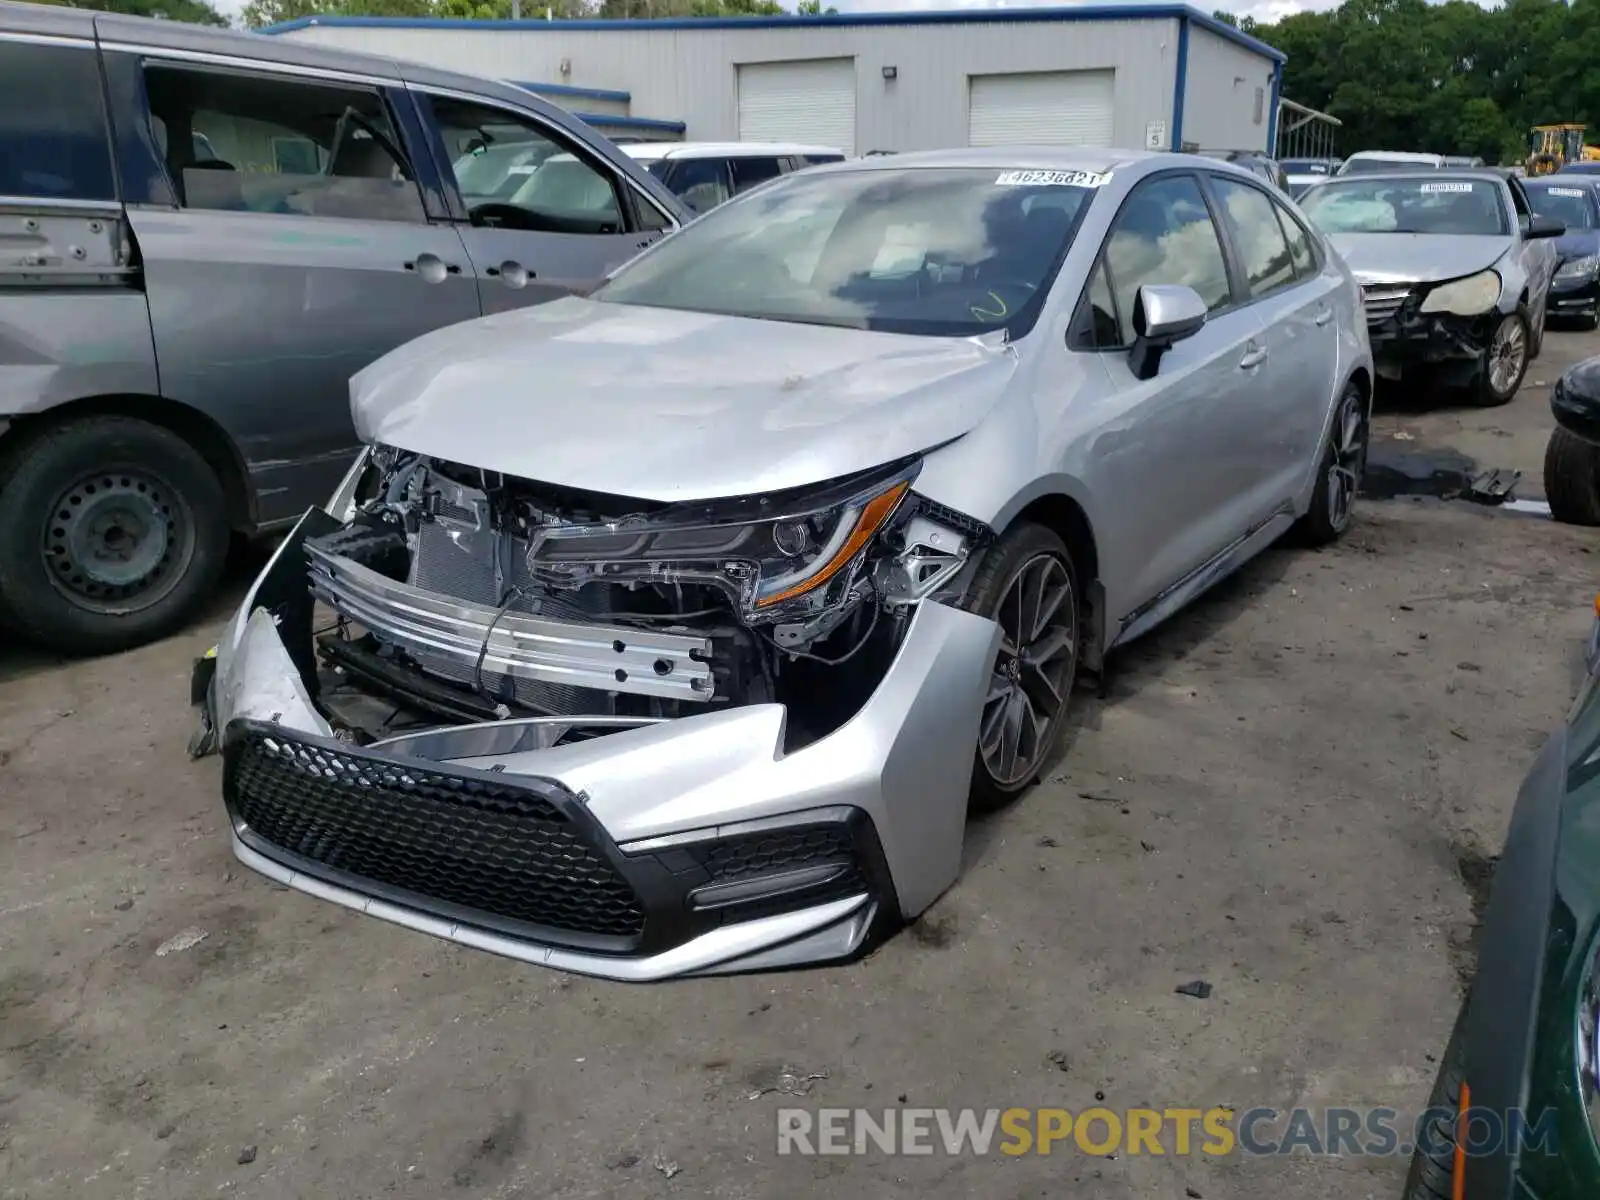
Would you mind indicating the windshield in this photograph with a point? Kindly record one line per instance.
(1458, 206)
(946, 252)
(1372, 166)
(1573, 206)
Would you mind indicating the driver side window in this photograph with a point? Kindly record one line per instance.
(514, 173)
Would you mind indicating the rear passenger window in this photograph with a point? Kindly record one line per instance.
(701, 182)
(1164, 234)
(53, 137)
(747, 172)
(265, 144)
(1253, 220)
(1300, 252)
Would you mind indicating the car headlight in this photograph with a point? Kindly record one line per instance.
(773, 554)
(1579, 268)
(1464, 297)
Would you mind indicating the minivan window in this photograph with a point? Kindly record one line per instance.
(279, 145)
(702, 183)
(53, 137)
(748, 172)
(516, 173)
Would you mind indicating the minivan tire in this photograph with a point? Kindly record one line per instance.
(116, 531)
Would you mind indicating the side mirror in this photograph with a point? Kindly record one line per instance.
(1545, 227)
(1163, 315)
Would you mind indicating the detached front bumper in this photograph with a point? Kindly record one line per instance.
(662, 849)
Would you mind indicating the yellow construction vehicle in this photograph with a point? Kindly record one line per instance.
(1550, 147)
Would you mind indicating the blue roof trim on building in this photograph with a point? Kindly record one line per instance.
(616, 122)
(1272, 119)
(954, 16)
(1180, 84)
(562, 89)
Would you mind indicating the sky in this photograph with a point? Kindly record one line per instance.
(1261, 10)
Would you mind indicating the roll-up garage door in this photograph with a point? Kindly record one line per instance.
(1053, 108)
(811, 101)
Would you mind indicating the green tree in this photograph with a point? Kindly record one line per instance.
(813, 8)
(197, 12)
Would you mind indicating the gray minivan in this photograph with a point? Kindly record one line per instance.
(203, 235)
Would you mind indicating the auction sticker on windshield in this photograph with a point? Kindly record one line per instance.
(1435, 188)
(1087, 179)
(1575, 193)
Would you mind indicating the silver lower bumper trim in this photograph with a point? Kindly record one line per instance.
(828, 931)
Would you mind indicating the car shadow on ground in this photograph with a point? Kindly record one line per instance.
(19, 660)
(1132, 668)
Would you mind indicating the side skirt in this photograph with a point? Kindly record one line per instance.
(1233, 556)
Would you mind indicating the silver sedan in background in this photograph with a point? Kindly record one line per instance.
(678, 627)
(1455, 267)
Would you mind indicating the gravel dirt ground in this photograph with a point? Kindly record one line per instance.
(1291, 792)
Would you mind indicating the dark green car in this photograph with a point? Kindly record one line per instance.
(1516, 1110)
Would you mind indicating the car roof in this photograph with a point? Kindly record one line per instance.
(1444, 175)
(651, 151)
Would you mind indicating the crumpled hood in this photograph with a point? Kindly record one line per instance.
(663, 405)
(1417, 257)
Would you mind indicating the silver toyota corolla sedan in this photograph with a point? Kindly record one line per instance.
(676, 629)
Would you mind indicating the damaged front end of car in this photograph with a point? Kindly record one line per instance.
(630, 738)
(1446, 330)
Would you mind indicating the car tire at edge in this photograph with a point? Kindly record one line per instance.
(116, 533)
(1431, 1176)
(1572, 478)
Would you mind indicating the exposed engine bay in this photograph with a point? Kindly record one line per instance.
(462, 596)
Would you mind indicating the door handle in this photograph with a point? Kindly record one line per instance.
(432, 268)
(1324, 315)
(511, 273)
(1254, 356)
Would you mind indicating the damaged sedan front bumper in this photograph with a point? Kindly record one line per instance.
(1405, 339)
(627, 847)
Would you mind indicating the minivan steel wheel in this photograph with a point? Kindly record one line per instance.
(118, 542)
(115, 532)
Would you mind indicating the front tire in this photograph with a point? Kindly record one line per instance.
(1572, 478)
(1028, 583)
(1506, 361)
(1343, 463)
(1432, 1175)
(115, 533)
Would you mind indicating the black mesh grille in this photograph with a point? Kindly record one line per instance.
(467, 842)
(776, 850)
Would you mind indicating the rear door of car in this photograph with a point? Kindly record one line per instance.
(305, 247)
(1294, 299)
(576, 216)
(1167, 469)
(73, 318)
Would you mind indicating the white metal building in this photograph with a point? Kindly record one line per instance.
(1134, 75)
